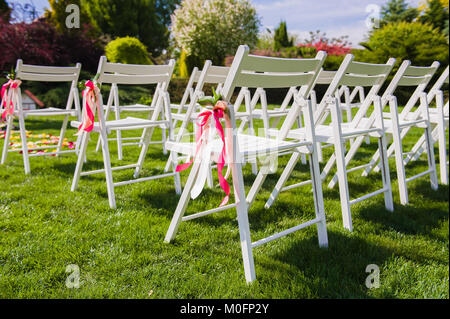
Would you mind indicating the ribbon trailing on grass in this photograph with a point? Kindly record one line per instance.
(9, 92)
(209, 124)
(91, 102)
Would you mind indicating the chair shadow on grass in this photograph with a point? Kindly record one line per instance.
(338, 271)
(411, 219)
(35, 124)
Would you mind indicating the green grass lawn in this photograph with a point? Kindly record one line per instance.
(44, 227)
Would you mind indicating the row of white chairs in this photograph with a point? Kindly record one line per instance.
(300, 128)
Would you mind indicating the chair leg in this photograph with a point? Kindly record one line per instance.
(319, 152)
(318, 200)
(299, 125)
(108, 170)
(416, 151)
(209, 177)
(283, 179)
(62, 134)
(431, 159)
(169, 162)
(23, 136)
(182, 203)
(146, 138)
(385, 174)
(348, 157)
(7, 139)
(164, 139)
(244, 227)
(83, 138)
(97, 148)
(260, 178)
(442, 153)
(401, 175)
(343, 184)
(177, 179)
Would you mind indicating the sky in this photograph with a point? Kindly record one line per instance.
(334, 17)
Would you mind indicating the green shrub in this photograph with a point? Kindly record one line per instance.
(127, 50)
(417, 42)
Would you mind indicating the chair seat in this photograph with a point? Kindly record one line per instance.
(325, 133)
(49, 111)
(249, 146)
(133, 108)
(129, 123)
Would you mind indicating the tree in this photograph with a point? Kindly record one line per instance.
(422, 44)
(146, 20)
(397, 11)
(281, 37)
(5, 11)
(424, 4)
(214, 29)
(435, 14)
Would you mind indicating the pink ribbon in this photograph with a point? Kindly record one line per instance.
(8, 89)
(218, 113)
(90, 102)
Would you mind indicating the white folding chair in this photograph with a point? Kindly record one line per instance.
(439, 118)
(350, 74)
(253, 72)
(132, 75)
(113, 104)
(398, 124)
(26, 72)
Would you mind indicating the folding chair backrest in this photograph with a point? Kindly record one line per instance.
(211, 74)
(353, 74)
(410, 76)
(215, 74)
(134, 74)
(39, 73)
(253, 71)
(61, 74)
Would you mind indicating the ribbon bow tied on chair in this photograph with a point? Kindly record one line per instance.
(209, 124)
(90, 102)
(9, 94)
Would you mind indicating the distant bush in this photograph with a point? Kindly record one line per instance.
(127, 50)
(417, 42)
